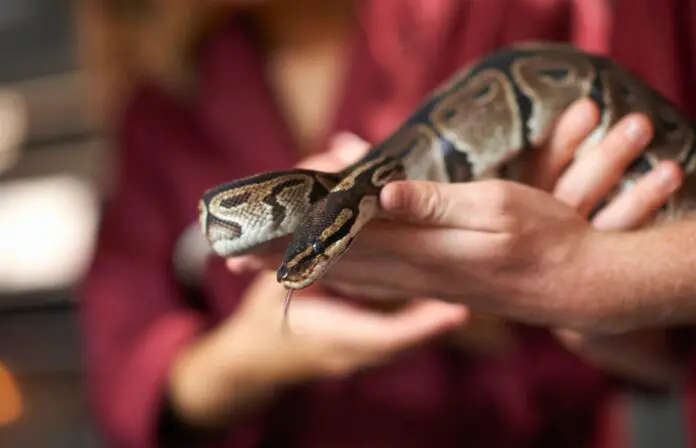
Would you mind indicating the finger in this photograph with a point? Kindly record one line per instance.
(348, 147)
(631, 208)
(572, 128)
(344, 149)
(250, 263)
(325, 161)
(246, 263)
(420, 248)
(599, 169)
(263, 293)
(366, 287)
(473, 205)
(266, 255)
(415, 323)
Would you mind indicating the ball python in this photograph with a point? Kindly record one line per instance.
(476, 125)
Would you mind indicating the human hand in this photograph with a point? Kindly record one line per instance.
(642, 355)
(344, 149)
(580, 185)
(239, 365)
(326, 336)
(509, 230)
(524, 254)
(391, 259)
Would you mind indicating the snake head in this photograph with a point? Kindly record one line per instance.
(324, 236)
(333, 222)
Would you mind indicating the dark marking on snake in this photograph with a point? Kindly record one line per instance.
(277, 210)
(687, 158)
(555, 74)
(460, 170)
(668, 126)
(235, 201)
(562, 74)
(483, 91)
(234, 228)
(640, 165)
(626, 93)
(597, 91)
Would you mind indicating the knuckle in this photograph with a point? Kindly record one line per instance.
(571, 339)
(338, 366)
(566, 190)
(585, 205)
(431, 204)
(501, 200)
(499, 195)
(510, 227)
(505, 243)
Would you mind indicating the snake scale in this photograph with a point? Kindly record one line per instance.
(474, 126)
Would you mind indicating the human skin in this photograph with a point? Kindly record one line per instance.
(501, 249)
(532, 254)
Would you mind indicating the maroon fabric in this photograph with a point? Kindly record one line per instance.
(135, 316)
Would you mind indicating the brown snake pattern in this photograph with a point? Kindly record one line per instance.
(473, 127)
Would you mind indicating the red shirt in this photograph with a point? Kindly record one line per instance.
(136, 315)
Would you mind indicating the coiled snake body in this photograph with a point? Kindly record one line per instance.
(473, 127)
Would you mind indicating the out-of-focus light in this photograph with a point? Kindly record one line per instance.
(47, 229)
(13, 127)
(11, 406)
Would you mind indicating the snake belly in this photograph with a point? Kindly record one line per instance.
(474, 126)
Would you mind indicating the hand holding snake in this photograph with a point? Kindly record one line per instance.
(579, 184)
(515, 241)
(386, 262)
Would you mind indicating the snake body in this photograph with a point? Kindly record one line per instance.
(474, 126)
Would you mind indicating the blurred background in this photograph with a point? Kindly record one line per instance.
(52, 180)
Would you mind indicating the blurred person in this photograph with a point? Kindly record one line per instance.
(198, 93)
(644, 280)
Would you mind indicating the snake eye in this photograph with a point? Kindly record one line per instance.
(318, 246)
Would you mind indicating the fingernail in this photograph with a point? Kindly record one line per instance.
(393, 198)
(635, 131)
(583, 115)
(666, 179)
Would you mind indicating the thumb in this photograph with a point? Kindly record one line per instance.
(472, 205)
(420, 202)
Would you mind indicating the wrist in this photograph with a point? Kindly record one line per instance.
(211, 383)
(612, 282)
(631, 281)
(644, 358)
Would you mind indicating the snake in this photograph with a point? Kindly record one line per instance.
(476, 125)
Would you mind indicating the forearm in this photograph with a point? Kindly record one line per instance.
(213, 383)
(646, 358)
(645, 278)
